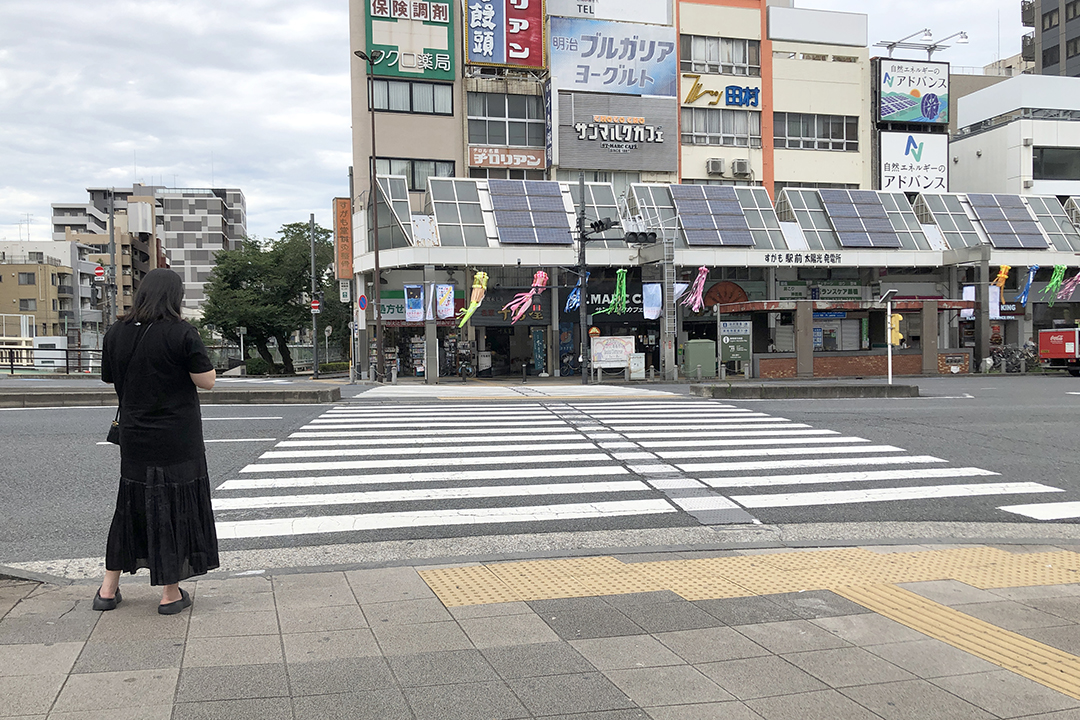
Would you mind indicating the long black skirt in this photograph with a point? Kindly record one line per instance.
(163, 521)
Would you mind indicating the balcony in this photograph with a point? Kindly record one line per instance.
(67, 314)
(65, 291)
(1027, 13)
(1027, 47)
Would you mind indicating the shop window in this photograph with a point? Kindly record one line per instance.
(719, 56)
(416, 171)
(714, 126)
(410, 96)
(512, 120)
(506, 174)
(1056, 163)
(803, 131)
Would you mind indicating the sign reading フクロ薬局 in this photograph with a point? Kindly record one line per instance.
(914, 162)
(613, 57)
(416, 38)
(508, 33)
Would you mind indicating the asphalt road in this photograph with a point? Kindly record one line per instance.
(59, 482)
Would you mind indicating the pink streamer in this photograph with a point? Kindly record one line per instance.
(695, 298)
(1069, 287)
(521, 302)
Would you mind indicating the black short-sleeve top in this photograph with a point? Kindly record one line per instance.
(149, 364)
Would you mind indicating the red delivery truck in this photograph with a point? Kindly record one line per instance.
(1060, 348)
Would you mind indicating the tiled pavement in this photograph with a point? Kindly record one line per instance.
(380, 644)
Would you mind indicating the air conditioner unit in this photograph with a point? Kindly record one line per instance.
(740, 167)
(1029, 184)
(714, 166)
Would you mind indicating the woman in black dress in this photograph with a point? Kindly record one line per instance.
(163, 519)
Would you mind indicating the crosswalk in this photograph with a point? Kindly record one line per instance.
(429, 468)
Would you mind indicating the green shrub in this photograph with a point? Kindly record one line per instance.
(258, 366)
(333, 367)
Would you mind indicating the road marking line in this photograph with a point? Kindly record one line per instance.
(423, 462)
(841, 497)
(455, 493)
(427, 518)
(437, 450)
(696, 442)
(694, 428)
(843, 477)
(385, 435)
(430, 440)
(320, 423)
(771, 432)
(418, 477)
(808, 463)
(219, 440)
(1046, 511)
(262, 417)
(718, 422)
(766, 452)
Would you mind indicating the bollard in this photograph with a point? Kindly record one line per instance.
(393, 375)
(697, 374)
(652, 373)
(723, 371)
(524, 372)
(372, 374)
(11, 361)
(628, 372)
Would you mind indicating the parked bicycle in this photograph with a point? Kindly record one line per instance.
(1010, 359)
(568, 365)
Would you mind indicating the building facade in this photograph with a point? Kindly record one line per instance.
(1054, 42)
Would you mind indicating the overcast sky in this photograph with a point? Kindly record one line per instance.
(251, 94)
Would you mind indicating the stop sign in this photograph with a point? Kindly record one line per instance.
(314, 306)
(99, 271)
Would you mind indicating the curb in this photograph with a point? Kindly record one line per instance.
(107, 397)
(789, 392)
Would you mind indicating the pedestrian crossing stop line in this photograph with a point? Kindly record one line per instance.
(1046, 511)
(236, 529)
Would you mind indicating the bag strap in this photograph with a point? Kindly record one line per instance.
(138, 342)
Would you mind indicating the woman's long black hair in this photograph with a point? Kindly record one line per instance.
(158, 298)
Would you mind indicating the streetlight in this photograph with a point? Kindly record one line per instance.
(961, 39)
(925, 42)
(371, 58)
(887, 297)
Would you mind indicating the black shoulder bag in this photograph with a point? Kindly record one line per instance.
(114, 429)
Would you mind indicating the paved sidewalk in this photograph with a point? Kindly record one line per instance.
(949, 632)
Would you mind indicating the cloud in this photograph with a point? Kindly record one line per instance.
(251, 94)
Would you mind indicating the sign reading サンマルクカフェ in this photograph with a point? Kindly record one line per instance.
(416, 38)
(615, 132)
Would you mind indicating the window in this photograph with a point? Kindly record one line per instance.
(27, 279)
(713, 126)
(38, 257)
(726, 56)
(1051, 56)
(27, 305)
(416, 172)
(514, 120)
(802, 131)
(1072, 47)
(1056, 163)
(413, 97)
(1051, 19)
(55, 305)
(1071, 10)
(506, 174)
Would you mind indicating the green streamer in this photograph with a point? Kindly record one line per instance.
(1054, 286)
(617, 306)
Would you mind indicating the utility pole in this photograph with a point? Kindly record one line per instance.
(314, 315)
(583, 295)
(112, 258)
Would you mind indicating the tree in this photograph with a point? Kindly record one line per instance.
(265, 286)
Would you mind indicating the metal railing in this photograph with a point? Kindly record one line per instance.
(39, 361)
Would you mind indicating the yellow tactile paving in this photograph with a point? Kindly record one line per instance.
(540, 580)
(1034, 660)
(469, 585)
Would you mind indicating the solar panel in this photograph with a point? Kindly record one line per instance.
(991, 213)
(545, 202)
(864, 197)
(893, 104)
(702, 237)
(698, 222)
(720, 192)
(553, 236)
(877, 224)
(692, 207)
(1007, 201)
(517, 235)
(1007, 221)
(862, 224)
(847, 224)
(725, 207)
(530, 211)
(982, 200)
(844, 209)
(835, 196)
(687, 192)
(851, 239)
(1015, 213)
(542, 187)
(506, 187)
(738, 237)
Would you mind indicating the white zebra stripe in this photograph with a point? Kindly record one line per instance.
(843, 477)
(840, 497)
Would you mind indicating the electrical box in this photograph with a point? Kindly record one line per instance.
(699, 352)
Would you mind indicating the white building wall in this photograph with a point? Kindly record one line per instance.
(1000, 160)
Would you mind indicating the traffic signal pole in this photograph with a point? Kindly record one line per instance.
(314, 315)
(888, 343)
(583, 295)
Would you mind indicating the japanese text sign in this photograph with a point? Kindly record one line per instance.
(416, 38)
(915, 162)
(502, 157)
(657, 12)
(914, 92)
(613, 57)
(505, 32)
(343, 245)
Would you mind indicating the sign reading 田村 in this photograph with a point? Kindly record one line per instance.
(416, 38)
(503, 157)
(912, 91)
(914, 162)
(614, 57)
(657, 12)
(505, 32)
(732, 95)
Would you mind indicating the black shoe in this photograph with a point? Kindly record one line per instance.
(175, 607)
(103, 604)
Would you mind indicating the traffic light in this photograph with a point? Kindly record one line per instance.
(599, 226)
(895, 336)
(639, 238)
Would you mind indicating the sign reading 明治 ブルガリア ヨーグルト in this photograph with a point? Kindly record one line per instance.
(614, 57)
(914, 162)
(415, 37)
(913, 91)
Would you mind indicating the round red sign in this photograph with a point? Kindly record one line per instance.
(99, 271)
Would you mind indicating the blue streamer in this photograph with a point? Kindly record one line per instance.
(1022, 298)
(573, 300)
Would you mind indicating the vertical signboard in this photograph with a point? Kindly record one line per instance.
(613, 57)
(509, 33)
(914, 162)
(416, 38)
(910, 91)
(343, 245)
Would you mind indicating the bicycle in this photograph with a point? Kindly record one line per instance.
(567, 366)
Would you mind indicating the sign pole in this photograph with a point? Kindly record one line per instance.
(583, 296)
(314, 316)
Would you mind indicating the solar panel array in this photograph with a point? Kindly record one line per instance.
(711, 215)
(1007, 221)
(530, 212)
(859, 218)
(893, 104)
